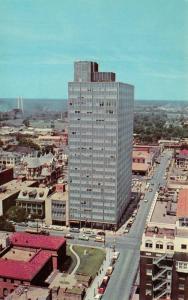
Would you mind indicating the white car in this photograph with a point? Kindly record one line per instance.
(98, 296)
(145, 200)
(83, 237)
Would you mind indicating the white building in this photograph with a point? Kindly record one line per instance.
(100, 145)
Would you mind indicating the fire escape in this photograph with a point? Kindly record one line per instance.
(162, 276)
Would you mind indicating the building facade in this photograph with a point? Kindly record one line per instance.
(100, 146)
(164, 248)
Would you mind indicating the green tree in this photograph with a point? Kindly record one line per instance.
(6, 225)
(17, 214)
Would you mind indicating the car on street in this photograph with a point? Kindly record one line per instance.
(98, 297)
(99, 238)
(69, 236)
(23, 224)
(101, 233)
(93, 235)
(145, 200)
(87, 231)
(74, 229)
(83, 237)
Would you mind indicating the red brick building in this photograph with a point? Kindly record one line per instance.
(30, 260)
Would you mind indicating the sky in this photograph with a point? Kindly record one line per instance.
(145, 42)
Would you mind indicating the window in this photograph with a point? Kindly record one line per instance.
(181, 286)
(148, 244)
(148, 292)
(159, 245)
(170, 246)
(183, 246)
(148, 271)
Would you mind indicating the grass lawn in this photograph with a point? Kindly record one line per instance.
(90, 259)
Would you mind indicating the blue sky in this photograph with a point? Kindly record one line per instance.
(144, 41)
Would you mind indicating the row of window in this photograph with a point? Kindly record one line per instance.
(159, 245)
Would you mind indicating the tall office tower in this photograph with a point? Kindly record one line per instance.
(100, 146)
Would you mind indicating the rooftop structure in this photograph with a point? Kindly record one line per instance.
(31, 292)
(57, 209)
(9, 192)
(36, 241)
(29, 260)
(182, 207)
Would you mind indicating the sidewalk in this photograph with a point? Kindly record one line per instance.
(92, 290)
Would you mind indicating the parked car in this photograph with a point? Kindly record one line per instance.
(99, 238)
(74, 229)
(101, 233)
(126, 230)
(23, 224)
(98, 297)
(69, 236)
(116, 255)
(83, 237)
(92, 235)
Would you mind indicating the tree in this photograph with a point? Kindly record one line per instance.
(1, 143)
(6, 225)
(17, 214)
(22, 141)
(26, 122)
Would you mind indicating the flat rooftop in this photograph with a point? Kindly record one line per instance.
(14, 186)
(59, 196)
(33, 293)
(159, 214)
(182, 207)
(18, 254)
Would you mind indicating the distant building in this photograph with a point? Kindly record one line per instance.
(10, 159)
(43, 169)
(32, 200)
(9, 192)
(100, 146)
(181, 159)
(6, 174)
(164, 248)
(57, 209)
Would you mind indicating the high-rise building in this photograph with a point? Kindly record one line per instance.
(100, 146)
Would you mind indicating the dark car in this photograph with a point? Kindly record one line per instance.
(101, 233)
